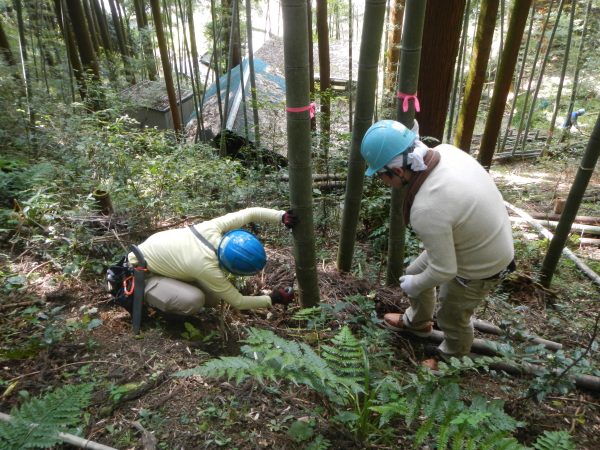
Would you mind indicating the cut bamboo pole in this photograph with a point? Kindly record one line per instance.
(490, 328)
(545, 233)
(69, 438)
(588, 229)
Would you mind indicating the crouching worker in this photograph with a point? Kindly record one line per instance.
(458, 213)
(187, 268)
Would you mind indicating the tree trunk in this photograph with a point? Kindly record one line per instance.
(324, 76)
(408, 77)
(295, 46)
(164, 57)
(252, 75)
(365, 104)
(142, 23)
(72, 53)
(82, 38)
(441, 38)
(103, 25)
(91, 25)
(121, 40)
(5, 47)
(582, 179)
(311, 57)
(19, 9)
(393, 47)
(477, 70)
(563, 72)
(506, 68)
(578, 65)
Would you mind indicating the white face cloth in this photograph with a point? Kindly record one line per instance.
(415, 159)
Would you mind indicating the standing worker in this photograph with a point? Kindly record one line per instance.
(187, 268)
(458, 213)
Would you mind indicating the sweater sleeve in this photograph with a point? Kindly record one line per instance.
(438, 240)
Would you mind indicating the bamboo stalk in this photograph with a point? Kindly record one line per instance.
(490, 328)
(545, 233)
(69, 438)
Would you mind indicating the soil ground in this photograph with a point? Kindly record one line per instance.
(188, 413)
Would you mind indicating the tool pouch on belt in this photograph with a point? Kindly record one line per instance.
(139, 287)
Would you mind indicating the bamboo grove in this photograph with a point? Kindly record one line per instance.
(442, 52)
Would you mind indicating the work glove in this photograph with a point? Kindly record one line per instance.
(282, 296)
(407, 284)
(289, 219)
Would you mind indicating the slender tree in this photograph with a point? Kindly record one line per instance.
(164, 57)
(393, 46)
(578, 65)
(91, 25)
(516, 27)
(582, 179)
(82, 38)
(408, 77)
(5, 47)
(519, 78)
(146, 40)
(563, 72)
(103, 25)
(255, 117)
(540, 76)
(71, 48)
(324, 75)
(477, 70)
(441, 38)
(22, 39)
(295, 51)
(365, 104)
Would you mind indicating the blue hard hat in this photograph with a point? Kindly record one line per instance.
(241, 253)
(383, 141)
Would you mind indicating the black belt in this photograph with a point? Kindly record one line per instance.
(139, 288)
(499, 276)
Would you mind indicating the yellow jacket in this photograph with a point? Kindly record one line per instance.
(179, 254)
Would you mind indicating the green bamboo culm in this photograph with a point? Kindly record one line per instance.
(408, 78)
(474, 84)
(295, 52)
(365, 103)
(582, 179)
(506, 68)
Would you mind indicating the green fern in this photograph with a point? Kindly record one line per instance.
(36, 423)
(346, 356)
(554, 440)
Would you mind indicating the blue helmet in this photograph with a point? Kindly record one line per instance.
(383, 141)
(241, 253)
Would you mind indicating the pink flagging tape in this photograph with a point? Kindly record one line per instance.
(407, 98)
(310, 108)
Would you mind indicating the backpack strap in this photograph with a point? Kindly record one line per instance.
(203, 239)
(139, 287)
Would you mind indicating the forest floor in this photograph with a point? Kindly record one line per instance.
(138, 400)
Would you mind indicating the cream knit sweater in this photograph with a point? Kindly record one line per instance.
(460, 217)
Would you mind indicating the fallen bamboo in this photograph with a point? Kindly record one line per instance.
(588, 220)
(583, 228)
(490, 328)
(545, 233)
(581, 381)
(69, 438)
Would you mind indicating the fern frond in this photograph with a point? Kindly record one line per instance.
(38, 422)
(345, 356)
(554, 440)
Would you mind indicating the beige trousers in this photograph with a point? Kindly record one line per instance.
(173, 296)
(456, 305)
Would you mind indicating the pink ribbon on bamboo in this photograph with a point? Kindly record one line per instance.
(407, 97)
(310, 108)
